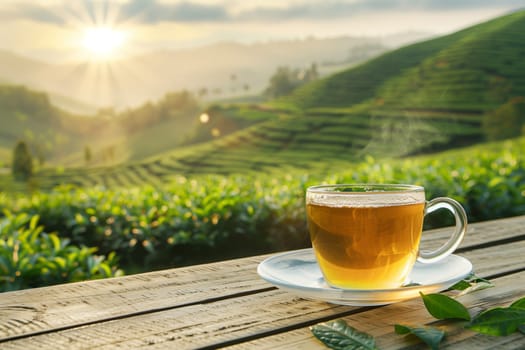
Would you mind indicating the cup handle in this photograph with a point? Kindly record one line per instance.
(459, 232)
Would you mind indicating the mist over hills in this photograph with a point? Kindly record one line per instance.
(425, 97)
(221, 70)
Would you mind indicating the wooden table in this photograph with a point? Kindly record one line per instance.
(227, 304)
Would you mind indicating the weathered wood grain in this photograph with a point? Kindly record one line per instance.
(220, 303)
(497, 260)
(479, 234)
(380, 322)
(41, 309)
(227, 320)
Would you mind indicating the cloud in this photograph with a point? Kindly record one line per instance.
(154, 11)
(326, 9)
(97, 10)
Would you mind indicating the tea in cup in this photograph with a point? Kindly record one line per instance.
(367, 236)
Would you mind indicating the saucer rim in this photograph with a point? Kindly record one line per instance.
(361, 296)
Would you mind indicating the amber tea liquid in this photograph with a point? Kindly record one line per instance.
(366, 247)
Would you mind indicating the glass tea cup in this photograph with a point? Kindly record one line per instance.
(367, 236)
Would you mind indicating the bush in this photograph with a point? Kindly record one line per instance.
(506, 121)
(22, 161)
(215, 217)
(32, 258)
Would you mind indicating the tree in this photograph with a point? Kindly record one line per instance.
(87, 154)
(22, 162)
(285, 80)
(282, 82)
(506, 121)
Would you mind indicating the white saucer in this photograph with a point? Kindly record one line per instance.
(297, 271)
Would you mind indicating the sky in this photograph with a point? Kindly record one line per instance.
(73, 30)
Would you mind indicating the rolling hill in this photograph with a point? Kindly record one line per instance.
(234, 70)
(59, 138)
(421, 98)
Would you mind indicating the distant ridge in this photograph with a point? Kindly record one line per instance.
(422, 98)
(132, 81)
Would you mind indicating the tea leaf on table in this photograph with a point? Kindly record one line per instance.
(518, 304)
(472, 278)
(442, 307)
(471, 284)
(461, 285)
(498, 321)
(430, 335)
(475, 287)
(339, 335)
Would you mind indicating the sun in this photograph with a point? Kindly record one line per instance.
(103, 43)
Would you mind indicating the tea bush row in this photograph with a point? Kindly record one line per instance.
(185, 222)
(209, 218)
(30, 257)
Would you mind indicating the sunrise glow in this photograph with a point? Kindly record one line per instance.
(103, 42)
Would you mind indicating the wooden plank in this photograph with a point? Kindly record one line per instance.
(380, 323)
(479, 234)
(42, 309)
(188, 327)
(497, 260)
(227, 320)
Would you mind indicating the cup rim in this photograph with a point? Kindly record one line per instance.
(366, 188)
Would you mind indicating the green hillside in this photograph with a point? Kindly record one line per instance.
(422, 98)
(59, 138)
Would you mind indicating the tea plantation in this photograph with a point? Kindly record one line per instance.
(49, 237)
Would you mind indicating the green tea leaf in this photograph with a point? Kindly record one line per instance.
(475, 279)
(498, 321)
(339, 335)
(475, 287)
(430, 335)
(471, 284)
(442, 307)
(34, 222)
(518, 304)
(461, 285)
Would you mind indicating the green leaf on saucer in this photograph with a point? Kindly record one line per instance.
(430, 335)
(339, 335)
(443, 307)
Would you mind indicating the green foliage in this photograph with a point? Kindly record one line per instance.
(443, 307)
(500, 321)
(224, 120)
(507, 121)
(338, 335)
(184, 222)
(205, 218)
(87, 154)
(285, 80)
(30, 257)
(22, 166)
(181, 105)
(430, 335)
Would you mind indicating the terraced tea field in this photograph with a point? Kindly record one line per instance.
(310, 142)
(422, 98)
